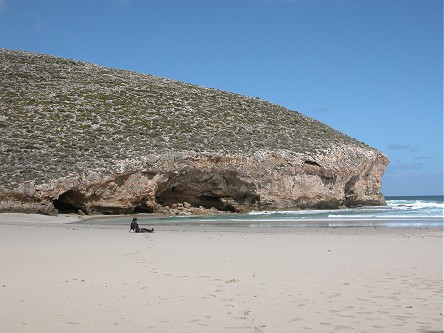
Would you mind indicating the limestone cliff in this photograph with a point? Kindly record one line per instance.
(80, 137)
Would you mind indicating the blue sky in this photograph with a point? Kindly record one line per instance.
(371, 69)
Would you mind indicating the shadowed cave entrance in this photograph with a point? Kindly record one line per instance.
(73, 201)
(225, 192)
(69, 202)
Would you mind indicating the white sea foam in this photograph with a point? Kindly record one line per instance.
(402, 208)
(403, 212)
(404, 204)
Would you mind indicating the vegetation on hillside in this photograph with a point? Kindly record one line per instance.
(60, 116)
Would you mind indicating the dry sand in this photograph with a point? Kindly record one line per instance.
(58, 277)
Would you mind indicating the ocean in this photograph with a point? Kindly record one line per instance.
(401, 211)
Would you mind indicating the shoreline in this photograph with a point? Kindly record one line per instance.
(160, 222)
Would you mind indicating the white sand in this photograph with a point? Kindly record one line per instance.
(57, 277)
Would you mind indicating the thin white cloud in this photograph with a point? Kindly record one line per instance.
(397, 168)
(409, 166)
(422, 158)
(398, 146)
(274, 1)
(337, 3)
(39, 23)
(120, 3)
(320, 110)
(2, 5)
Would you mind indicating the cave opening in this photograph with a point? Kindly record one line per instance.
(176, 195)
(69, 202)
(142, 207)
(223, 191)
(209, 201)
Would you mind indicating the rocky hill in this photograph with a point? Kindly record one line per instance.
(77, 136)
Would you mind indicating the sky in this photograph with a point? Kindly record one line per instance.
(372, 69)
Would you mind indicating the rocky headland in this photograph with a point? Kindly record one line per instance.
(77, 137)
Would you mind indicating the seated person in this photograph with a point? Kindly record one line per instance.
(135, 227)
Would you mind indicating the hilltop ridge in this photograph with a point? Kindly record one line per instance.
(64, 118)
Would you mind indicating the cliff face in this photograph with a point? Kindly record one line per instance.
(262, 181)
(80, 137)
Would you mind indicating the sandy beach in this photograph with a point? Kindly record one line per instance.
(61, 277)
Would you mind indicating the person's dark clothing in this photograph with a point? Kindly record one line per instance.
(146, 230)
(134, 226)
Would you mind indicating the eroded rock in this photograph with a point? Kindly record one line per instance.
(200, 183)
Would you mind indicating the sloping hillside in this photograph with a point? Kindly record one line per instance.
(60, 116)
(81, 137)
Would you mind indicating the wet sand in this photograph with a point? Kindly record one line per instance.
(61, 277)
